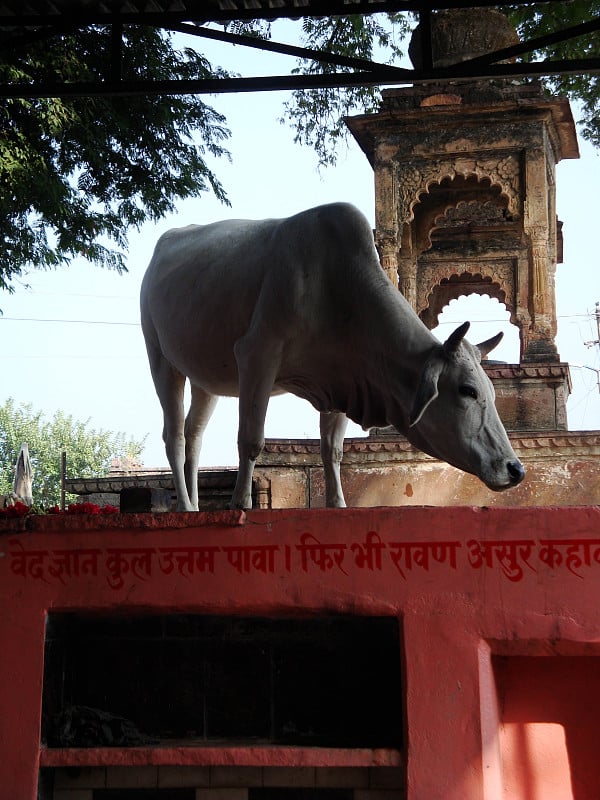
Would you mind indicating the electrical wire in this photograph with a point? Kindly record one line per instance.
(69, 321)
(137, 324)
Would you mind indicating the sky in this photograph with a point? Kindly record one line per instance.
(71, 339)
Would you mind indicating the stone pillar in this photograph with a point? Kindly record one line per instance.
(407, 267)
(386, 217)
(542, 264)
(387, 247)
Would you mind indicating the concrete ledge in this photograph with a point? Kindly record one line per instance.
(220, 756)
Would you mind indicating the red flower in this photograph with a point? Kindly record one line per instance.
(19, 509)
(82, 508)
(90, 508)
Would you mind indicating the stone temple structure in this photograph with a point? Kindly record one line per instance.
(465, 202)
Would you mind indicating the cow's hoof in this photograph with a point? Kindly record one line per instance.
(185, 507)
(336, 502)
(243, 505)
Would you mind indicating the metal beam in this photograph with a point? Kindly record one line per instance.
(459, 72)
(278, 47)
(204, 12)
(531, 45)
(365, 72)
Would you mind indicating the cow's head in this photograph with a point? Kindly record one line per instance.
(454, 417)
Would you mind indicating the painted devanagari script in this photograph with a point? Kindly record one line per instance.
(514, 558)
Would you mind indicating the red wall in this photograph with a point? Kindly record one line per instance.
(499, 611)
(550, 715)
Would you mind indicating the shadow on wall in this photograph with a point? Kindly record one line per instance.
(550, 706)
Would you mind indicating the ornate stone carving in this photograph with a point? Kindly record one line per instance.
(387, 248)
(458, 34)
(471, 212)
(499, 273)
(410, 184)
(559, 371)
(540, 263)
(415, 178)
(407, 280)
(527, 444)
(478, 162)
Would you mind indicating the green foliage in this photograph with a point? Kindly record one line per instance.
(318, 115)
(77, 173)
(89, 452)
(535, 21)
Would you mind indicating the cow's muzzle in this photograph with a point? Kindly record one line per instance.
(516, 472)
(512, 476)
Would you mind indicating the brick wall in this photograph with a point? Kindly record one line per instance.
(229, 783)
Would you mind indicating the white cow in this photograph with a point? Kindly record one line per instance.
(255, 308)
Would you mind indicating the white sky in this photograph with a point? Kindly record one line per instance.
(71, 338)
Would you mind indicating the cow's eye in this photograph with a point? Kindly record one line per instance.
(468, 391)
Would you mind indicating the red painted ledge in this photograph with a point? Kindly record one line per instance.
(250, 756)
(58, 523)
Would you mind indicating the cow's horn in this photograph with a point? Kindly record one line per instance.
(489, 344)
(452, 342)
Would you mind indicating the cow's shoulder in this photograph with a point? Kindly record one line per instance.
(339, 222)
(340, 212)
(171, 241)
(179, 233)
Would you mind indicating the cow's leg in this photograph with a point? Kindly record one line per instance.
(258, 364)
(201, 408)
(333, 429)
(170, 384)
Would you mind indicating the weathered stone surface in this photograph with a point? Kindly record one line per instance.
(457, 34)
(562, 469)
(531, 397)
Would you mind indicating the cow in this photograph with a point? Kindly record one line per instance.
(254, 308)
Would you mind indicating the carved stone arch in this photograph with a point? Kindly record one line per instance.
(453, 286)
(416, 178)
(477, 206)
(482, 208)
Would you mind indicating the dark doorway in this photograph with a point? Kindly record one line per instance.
(141, 679)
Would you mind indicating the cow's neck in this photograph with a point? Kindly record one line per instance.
(386, 366)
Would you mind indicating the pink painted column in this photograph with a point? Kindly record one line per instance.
(442, 706)
(22, 668)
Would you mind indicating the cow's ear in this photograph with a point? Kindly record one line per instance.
(452, 342)
(427, 390)
(489, 344)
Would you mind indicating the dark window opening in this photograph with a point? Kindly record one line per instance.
(144, 794)
(141, 680)
(300, 794)
(253, 794)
